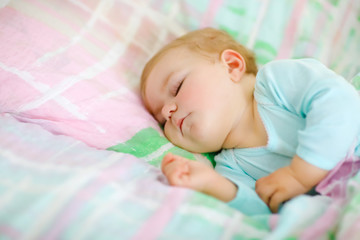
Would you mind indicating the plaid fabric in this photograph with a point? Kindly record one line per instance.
(72, 68)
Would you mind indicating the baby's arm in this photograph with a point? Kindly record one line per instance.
(287, 182)
(198, 176)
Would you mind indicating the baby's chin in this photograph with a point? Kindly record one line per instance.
(198, 142)
(198, 146)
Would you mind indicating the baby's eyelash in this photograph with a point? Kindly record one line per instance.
(177, 87)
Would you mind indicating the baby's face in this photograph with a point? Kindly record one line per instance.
(194, 99)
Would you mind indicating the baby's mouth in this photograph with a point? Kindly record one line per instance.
(181, 124)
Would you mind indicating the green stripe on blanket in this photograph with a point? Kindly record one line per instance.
(149, 145)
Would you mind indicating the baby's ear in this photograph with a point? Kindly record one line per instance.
(235, 63)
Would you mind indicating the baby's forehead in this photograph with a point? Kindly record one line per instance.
(169, 61)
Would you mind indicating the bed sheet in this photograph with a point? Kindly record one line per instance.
(69, 74)
(56, 187)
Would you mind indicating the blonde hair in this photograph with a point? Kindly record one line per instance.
(208, 42)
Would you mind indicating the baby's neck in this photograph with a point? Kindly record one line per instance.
(249, 131)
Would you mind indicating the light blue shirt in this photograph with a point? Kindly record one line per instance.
(307, 110)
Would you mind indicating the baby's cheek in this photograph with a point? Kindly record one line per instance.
(192, 94)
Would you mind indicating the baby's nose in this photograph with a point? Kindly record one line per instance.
(168, 110)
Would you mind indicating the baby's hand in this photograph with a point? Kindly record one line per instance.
(287, 182)
(183, 172)
(278, 187)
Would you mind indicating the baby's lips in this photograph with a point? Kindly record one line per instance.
(179, 123)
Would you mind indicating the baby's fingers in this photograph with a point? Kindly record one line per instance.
(264, 190)
(276, 199)
(166, 160)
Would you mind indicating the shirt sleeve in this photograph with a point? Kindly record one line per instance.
(329, 105)
(246, 200)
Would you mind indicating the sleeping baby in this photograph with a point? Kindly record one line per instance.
(285, 130)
